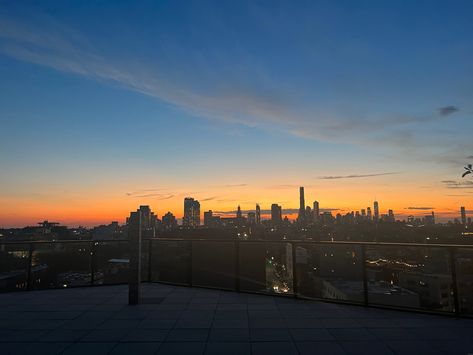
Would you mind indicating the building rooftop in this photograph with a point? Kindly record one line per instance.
(185, 320)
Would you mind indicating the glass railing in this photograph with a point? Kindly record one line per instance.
(429, 278)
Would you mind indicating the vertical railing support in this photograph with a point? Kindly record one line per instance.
(29, 286)
(365, 277)
(92, 262)
(134, 240)
(295, 281)
(237, 266)
(150, 246)
(453, 268)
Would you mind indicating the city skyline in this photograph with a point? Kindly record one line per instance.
(192, 214)
(112, 106)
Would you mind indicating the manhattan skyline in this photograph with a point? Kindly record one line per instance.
(107, 107)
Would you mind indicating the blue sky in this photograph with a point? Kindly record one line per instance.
(208, 93)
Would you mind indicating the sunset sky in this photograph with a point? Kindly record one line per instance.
(111, 104)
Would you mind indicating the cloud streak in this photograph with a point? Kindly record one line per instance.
(420, 208)
(448, 110)
(355, 176)
(453, 184)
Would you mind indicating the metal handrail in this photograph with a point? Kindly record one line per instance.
(299, 241)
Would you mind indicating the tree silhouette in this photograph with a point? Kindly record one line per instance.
(469, 170)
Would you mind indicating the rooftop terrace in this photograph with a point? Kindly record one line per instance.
(189, 320)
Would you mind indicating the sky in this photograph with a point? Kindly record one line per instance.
(108, 105)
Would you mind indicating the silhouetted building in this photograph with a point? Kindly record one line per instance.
(191, 212)
(169, 222)
(251, 218)
(391, 217)
(376, 210)
(368, 213)
(276, 214)
(316, 211)
(208, 218)
(463, 215)
(146, 219)
(258, 214)
(308, 214)
(301, 216)
(429, 220)
(238, 214)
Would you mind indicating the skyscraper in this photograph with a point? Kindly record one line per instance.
(208, 218)
(301, 216)
(258, 214)
(238, 215)
(276, 214)
(391, 217)
(463, 215)
(251, 218)
(376, 210)
(368, 213)
(309, 217)
(316, 211)
(169, 221)
(191, 212)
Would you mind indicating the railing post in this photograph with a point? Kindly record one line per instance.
(365, 278)
(237, 266)
(134, 240)
(92, 263)
(189, 266)
(29, 266)
(150, 245)
(454, 281)
(295, 282)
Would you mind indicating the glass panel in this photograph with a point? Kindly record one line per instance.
(170, 261)
(62, 265)
(412, 277)
(464, 267)
(252, 263)
(330, 271)
(112, 260)
(13, 267)
(266, 267)
(213, 264)
(144, 260)
(279, 266)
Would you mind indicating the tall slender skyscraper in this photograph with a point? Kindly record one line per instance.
(376, 210)
(301, 204)
(368, 213)
(258, 214)
(316, 211)
(463, 215)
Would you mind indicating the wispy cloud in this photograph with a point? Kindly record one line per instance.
(448, 110)
(208, 198)
(156, 196)
(142, 191)
(453, 184)
(420, 208)
(355, 176)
